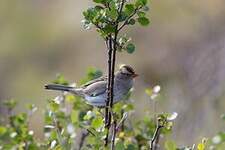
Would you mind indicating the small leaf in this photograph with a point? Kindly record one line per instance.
(120, 146)
(32, 108)
(128, 107)
(10, 103)
(140, 3)
(141, 14)
(148, 91)
(122, 17)
(74, 116)
(129, 9)
(131, 147)
(170, 145)
(97, 123)
(53, 106)
(3, 130)
(109, 29)
(130, 48)
(70, 98)
(131, 22)
(98, 1)
(112, 13)
(143, 21)
(60, 80)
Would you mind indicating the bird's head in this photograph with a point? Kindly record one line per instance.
(127, 71)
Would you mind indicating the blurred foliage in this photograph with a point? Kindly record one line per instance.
(68, 118)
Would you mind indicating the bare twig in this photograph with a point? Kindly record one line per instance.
(109, 91)
(82, 139)
(155, 138)
(59, 136)
(121, 123)
(114, 134)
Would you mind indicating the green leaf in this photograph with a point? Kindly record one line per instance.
(131, 22)
(74, 116)
(123, 16)
(97, 123)
(53, 106)
(141, 14)
(112, 13)
(139, 3)
(109, 29)
(120, 146)
(70, 98)
(60, 80)
(148, 91)
(128, 107)
(131, 147)
(143, 21)
(98, 1)
(10, 103)
(130, 48)
(129, 9)
(170, 145)
(3, 130)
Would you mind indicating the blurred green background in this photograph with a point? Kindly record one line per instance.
(182, 50)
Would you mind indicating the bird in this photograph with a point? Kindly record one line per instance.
(94, 92)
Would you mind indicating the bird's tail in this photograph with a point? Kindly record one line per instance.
(58, 87)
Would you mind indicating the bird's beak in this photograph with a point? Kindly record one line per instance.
(135, 75)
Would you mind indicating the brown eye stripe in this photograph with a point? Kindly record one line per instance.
(129, 69)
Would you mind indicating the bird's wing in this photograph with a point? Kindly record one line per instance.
(95, 88)
(103, 78)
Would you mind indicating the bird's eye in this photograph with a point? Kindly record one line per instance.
(126, 74)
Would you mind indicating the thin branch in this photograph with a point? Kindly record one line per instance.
(109, 91)
(59, 136)
(121, 123)
(82, 139)
(125, 22)
(155, 137)
(121, 8)
(114, 134)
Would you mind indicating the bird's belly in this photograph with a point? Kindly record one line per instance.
(100, 100)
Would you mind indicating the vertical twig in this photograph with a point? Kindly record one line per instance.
(59, 137)
(114, 134)
(122, 125)
(112, 47)
(155, 138)
(107, 114)
(82, 139)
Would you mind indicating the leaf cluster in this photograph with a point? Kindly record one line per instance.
(109, 17)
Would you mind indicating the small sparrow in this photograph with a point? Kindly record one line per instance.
(95, 91)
